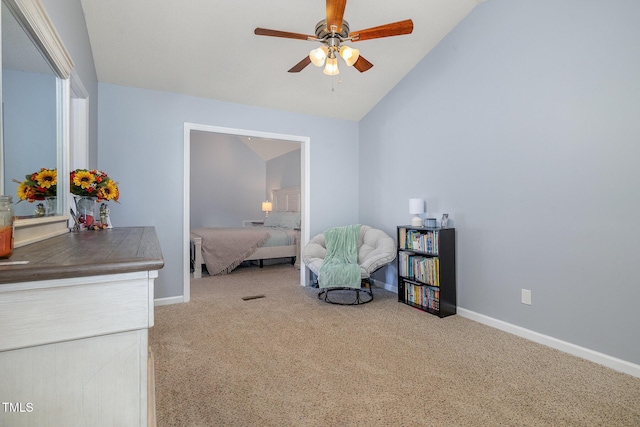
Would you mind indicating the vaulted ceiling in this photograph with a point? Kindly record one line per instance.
(207, 48)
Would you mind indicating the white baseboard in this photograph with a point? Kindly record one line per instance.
(585, 353)
(168, 301)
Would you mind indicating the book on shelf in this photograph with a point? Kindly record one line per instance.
(420, 268)
(422, 295)
(419, 240)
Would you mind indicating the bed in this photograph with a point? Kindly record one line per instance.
(224, 248)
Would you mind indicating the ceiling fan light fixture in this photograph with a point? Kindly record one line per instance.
(349, 55)
(317, 56)
(331, 69)
(331, 33)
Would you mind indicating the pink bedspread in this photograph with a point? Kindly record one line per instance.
(223, 249)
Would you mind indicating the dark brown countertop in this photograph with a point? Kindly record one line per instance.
(86, 253)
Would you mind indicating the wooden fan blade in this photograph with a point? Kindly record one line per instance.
(301, 65)
(283, 34)
(388, 30)
(362, 64)
(335, 13)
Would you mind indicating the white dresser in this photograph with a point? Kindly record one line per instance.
(74, 322)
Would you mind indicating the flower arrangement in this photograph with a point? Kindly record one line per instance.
(38, 185)
(94, 183)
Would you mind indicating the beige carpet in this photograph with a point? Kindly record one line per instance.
(289, 359)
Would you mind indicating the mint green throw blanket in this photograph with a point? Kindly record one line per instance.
(340, 267)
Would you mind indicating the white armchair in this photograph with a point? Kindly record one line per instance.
(375, 250)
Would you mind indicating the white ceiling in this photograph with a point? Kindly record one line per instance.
(265, 148)
(207, 48)
(269, 149)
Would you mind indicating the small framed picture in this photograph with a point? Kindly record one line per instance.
(445, 221)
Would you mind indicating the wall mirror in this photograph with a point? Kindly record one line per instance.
(35, 98)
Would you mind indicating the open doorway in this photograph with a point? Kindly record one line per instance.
(193, 132)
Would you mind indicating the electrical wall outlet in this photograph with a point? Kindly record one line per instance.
(526, 296)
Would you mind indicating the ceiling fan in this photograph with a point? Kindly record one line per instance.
(331, 33)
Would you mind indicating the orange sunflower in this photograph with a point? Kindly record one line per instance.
(109, 191)
(83, 179)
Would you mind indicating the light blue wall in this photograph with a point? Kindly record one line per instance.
(523, 125)
(141, 147)
(227, 181)
(29, 132)
(283, 172)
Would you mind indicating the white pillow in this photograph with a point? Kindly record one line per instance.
(272, 220)
(290, 220)
(283, 220)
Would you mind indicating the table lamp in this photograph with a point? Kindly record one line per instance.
(416, 207)
(266, 208)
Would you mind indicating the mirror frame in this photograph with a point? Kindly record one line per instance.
(34, 19)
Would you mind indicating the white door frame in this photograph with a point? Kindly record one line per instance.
(77, 153)
(305, 151)
(79, 128)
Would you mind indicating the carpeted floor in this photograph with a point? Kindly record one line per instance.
(289, 359)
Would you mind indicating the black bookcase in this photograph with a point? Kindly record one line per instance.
(427, 269)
